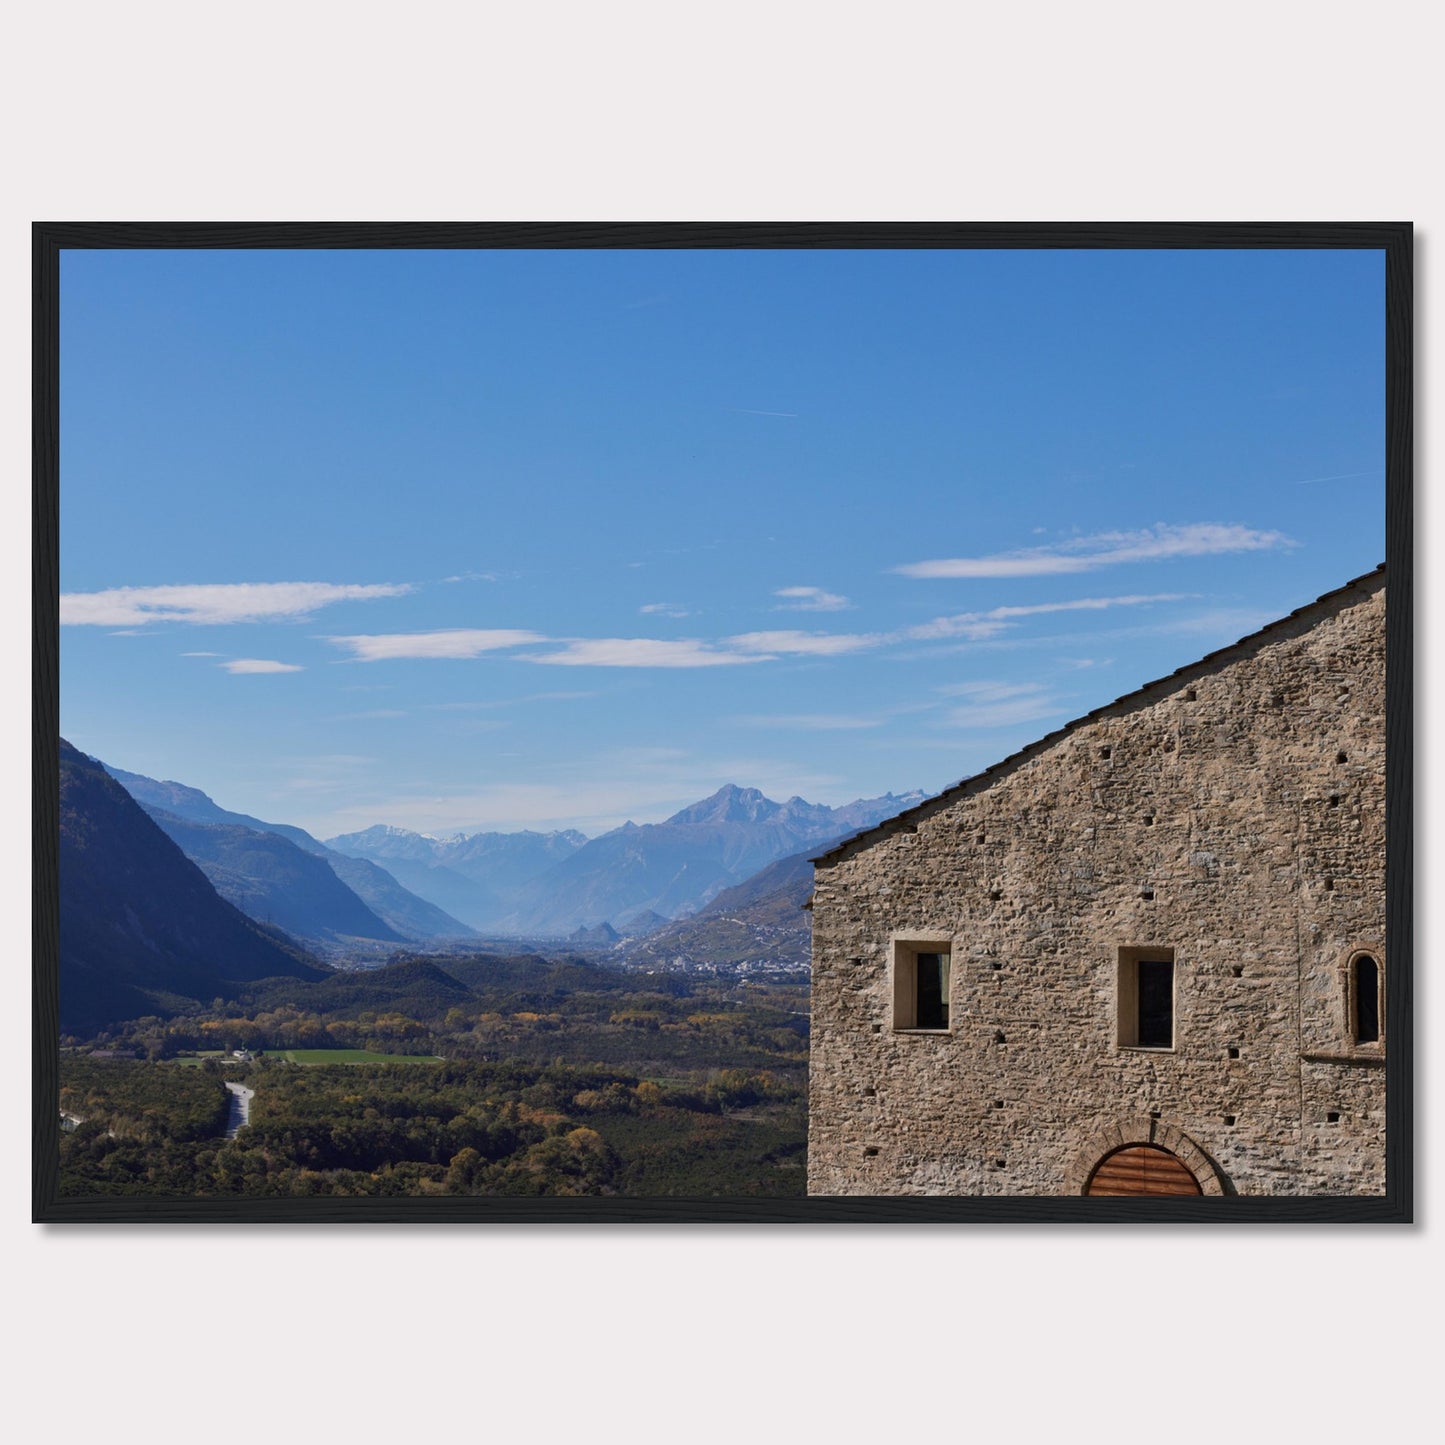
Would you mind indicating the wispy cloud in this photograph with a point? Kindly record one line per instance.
(1104, 549)
(765, 646)
(664, 609)
(201, 654)
(338, 774)
(1000, 704)
(242, 665)
(639, 652)
(810, 599)
(1233, 622)
(750, 411)
(213, 603)
(979, 626)
(473, 577)
(813, 644)
(970, 626)
(456, 642)
(1338, 477)
(811, 722)
(489, 704)
(1085, 604)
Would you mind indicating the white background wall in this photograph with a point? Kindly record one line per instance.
(748, 111)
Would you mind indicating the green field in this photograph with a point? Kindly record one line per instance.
(348, 1056)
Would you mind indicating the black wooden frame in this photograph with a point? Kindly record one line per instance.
(1395, 239)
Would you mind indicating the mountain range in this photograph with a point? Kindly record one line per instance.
(280, 874)
(167, 898)
(557, 883)
(360, 893)
(472, 875)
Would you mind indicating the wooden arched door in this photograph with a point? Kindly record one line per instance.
(1141, 1169)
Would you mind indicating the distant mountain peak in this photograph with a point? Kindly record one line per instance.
(601, 933)
(390, 830)
(730, 804)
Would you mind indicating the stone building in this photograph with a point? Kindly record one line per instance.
(1143, 955)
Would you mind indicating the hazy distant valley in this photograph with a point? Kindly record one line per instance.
(388, 1048)
(719, 884)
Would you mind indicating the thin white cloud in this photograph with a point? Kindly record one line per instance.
(810, 599)
(473, 577)
(813, 644)
(201, 654)
(1104, 549)
(971, 626)
(751, 411)
(812, 722)
(456, 642)
(462, 643)
(1086, 604)
(1233, 622)
(639, 652)
(213, 603)
(1338, 477)
(988, 691)
(664, 609)
(1000, 704)
(340, 774)
(979, 626)
(242, 665)
(487, 705)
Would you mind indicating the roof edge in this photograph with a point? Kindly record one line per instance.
(1211, 660)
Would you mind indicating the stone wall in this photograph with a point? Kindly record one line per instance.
(1233, 813)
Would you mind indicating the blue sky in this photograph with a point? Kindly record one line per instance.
(470, 540)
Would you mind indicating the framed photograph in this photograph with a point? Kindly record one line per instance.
(758, 723)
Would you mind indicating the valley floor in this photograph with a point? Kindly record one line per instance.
(533, 1077)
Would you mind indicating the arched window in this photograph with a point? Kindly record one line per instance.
(1365, 999)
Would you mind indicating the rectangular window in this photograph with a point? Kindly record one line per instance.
(1156, 1004)
(921, 976)
(1146, 998)
(932, 990)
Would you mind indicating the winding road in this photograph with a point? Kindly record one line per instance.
(241, 1098)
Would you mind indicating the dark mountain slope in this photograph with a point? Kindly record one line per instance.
(272, 880)
(444, 888)
(760, 920)
(141, 929)
(407, 912)
(403, 913)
